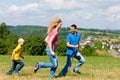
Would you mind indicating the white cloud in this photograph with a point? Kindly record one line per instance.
(29, 7)
(65, 4)
(13, 8)
(81, 14)
(113, 14)
(114, 9)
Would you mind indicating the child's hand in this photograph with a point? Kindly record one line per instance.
(11, 58)
(23, 57)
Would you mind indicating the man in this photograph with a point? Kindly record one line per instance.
(72, 40)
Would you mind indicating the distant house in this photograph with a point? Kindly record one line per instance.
(115, 46)
(119, 50)
(88, 40)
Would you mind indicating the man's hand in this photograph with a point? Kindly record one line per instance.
(80, 49)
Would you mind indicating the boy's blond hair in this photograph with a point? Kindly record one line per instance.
(20, 40)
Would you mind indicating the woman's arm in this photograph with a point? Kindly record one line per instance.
(50, 45)
(46, 39)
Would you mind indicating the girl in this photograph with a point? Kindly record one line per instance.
(51, 39)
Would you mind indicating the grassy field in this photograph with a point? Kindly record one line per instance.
(95, 68)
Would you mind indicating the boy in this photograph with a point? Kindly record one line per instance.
(15, 58)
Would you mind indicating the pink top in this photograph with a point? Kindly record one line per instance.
(54, 32)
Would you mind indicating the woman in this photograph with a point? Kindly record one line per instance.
(51, 39)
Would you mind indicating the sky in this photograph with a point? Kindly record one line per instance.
(95, 14)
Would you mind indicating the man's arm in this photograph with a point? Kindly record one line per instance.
(72, 46)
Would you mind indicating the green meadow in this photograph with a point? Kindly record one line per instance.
(95, 68)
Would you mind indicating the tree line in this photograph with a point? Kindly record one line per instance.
(34, 40)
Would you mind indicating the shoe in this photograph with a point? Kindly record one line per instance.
(17, 73)
(56, 76)
(36, 68)
(9, 73)
(61, 75)
(76, 71)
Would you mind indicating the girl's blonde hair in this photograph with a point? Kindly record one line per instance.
(53, 24)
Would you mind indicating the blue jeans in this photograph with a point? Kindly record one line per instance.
(15, 67)
(66, 68)
(53, 63)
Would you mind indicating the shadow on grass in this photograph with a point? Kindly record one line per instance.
(82, 74)
(26, 74)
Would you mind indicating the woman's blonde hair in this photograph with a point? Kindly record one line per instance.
(53, 24)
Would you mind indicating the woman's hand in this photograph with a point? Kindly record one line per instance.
(52, 53)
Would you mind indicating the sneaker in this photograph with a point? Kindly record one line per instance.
(9, 73)
(61, 75)
(76, 71)
(36, 68)
(17, 73)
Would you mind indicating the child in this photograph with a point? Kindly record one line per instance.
(15, 58)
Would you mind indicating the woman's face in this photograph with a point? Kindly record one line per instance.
(59, 25)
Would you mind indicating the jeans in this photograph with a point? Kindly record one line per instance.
(53, 63)
(66, 68)
(15, 67)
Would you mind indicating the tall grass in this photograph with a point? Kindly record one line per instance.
(95, 68)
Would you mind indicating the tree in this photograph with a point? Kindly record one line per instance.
(11, 41)
(3, 30)
(98, 44)
(61, 47)
(89, 51)
(3, 47)
(35, 45)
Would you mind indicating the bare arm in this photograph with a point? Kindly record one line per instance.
(50, 45)
(12, 56)
(46, 39)
(22, 56)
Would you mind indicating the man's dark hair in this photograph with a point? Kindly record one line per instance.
(73, 25)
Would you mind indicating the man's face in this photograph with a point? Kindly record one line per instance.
(73, 30)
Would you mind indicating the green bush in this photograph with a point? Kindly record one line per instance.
(61, 47)
(89, 51)
(35, 45)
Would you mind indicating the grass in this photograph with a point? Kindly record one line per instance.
(95, 68)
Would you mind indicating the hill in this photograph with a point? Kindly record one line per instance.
(29, 30)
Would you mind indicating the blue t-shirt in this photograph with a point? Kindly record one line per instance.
(73, 39)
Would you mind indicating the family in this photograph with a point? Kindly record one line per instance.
(72, 44)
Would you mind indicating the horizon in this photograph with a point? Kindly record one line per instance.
(66, 27)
